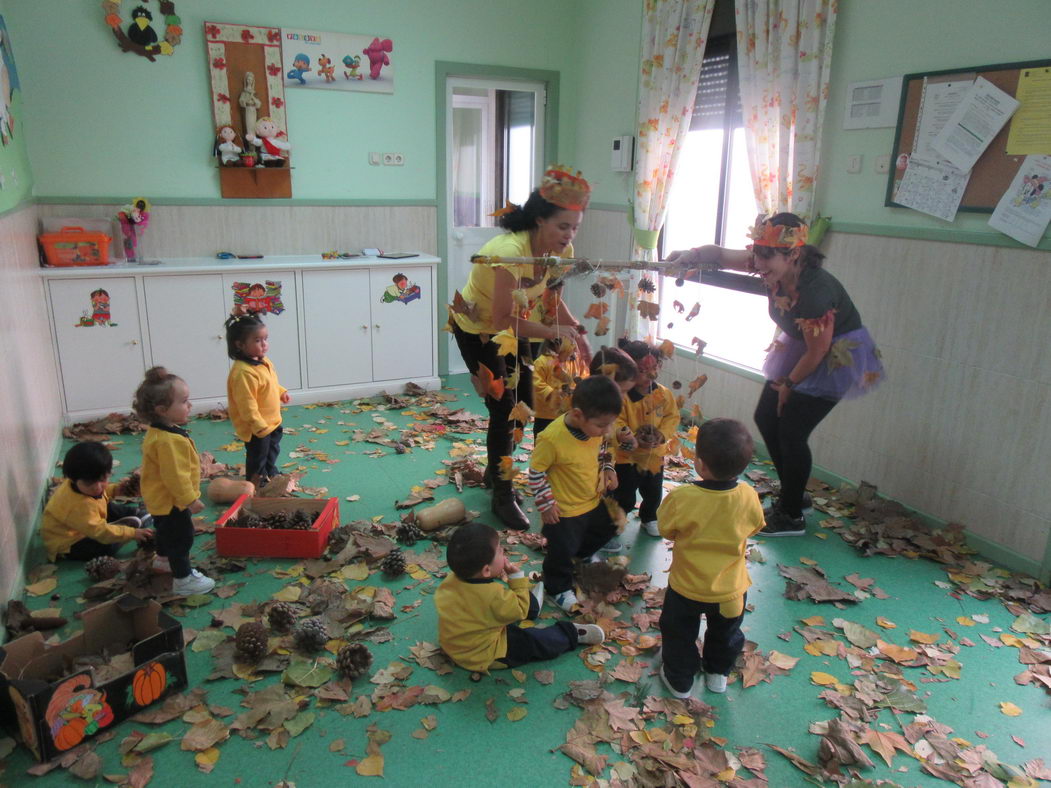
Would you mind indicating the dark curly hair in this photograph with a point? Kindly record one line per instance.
(809, 256)
(524, 217)
(239, 327)
(154, 392)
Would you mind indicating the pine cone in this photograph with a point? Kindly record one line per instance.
(310, 635)
(598, 290)
(251, 641)
(354, 660)
(281, 617)
(408, 533)
(104, 567)
(646, 285)
(338, 538)
(394, 564)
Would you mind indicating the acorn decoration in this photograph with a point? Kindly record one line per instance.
(408, 533)
(394, 564)
(104, 567)
(646, 285)
(598, 290)
(251, 641)
(354, 660)
(281, 617)
(310, 635)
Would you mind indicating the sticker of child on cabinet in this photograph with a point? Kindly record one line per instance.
(257, 298)
(99, 314)
(402, 290)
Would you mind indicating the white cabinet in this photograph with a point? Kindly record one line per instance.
(279, 292)
(374, 325)
(100, 350)
(185, 317)
(341, 332)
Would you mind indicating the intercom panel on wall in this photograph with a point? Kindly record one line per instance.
(622, 153)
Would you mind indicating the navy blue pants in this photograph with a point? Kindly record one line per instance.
(261, 455)
(174, 539)
(649, 485)
(87, 548)
(573, 537)
(681, 622)
(536, 644)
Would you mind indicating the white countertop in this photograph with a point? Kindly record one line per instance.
(181, 265)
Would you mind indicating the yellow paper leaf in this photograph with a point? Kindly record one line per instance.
(208, 758)
(1010, 709)
(823, 679)
(1012, 640)
(682, 719)
(814, 621)
(922, 637)
(517, 713)
(370, 766)
(965, 621)
(506, 343)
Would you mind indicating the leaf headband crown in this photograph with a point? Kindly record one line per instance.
(767, 234)
(565, 188)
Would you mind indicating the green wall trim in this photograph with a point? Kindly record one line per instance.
(934, 234)
(607, 206)
(26, 203)
(213, 201)
(442, 70)
(725, 366)
(986, 548)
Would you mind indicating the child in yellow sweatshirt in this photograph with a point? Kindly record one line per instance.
(254, 397)
(171, 474)
(481, 602)
(709, 522)
(644, 430)
(555, 373)
(81, 521)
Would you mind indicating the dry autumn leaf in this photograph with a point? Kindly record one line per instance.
(823, 679)
(1010, 709)
(697, 382)
(597, 310)
(486, 383)
(649, 310)
(506, 343)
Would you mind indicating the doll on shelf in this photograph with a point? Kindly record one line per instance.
(269, 139)
(134, 218)
(226, 146)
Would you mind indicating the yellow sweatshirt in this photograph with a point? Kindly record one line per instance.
(550, 375)
(657, 408)
(254, 398)
(480, 283)
(710, 526)
(71, 516)
(571, 465)
(473, 616)
(171, 470)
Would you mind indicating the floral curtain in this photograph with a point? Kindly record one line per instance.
(673, 39)
(784, 54)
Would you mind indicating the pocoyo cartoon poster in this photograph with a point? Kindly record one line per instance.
(99, 313)
(402, 290)
(337, 61)
(257, 297)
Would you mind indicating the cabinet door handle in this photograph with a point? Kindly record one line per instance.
(134, 341)
(218, 336)
(376, 326)
(364, 328)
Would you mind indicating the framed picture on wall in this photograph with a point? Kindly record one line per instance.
(337, 61)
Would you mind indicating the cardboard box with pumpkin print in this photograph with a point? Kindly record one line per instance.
(51, 712)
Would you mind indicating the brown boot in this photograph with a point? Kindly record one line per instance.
(506, 509)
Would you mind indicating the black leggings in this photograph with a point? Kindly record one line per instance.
(498, 441)
(786, 440)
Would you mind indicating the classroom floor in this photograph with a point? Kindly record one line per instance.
(506, 728)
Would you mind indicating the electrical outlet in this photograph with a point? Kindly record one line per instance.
(375, 158)
(882, 164)
(399, 159)
(388, 159)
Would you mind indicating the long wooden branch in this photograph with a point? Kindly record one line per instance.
(583, 265)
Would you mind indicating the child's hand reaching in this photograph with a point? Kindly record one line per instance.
(196, 506)
(610, 480)
(286, 398)
(143, 535)
(626, 439)
(551, 515)
(509, 567)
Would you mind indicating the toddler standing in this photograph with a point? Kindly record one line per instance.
(254, 397)
(646, 425)
(709, 522)
(171, 474)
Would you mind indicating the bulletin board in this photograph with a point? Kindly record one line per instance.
(993, 172)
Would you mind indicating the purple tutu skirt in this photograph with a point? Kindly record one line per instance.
(851, 369)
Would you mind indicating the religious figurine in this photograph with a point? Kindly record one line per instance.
(269, 139)
(226, 147)
(249, 101)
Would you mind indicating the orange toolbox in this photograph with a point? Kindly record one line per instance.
(75, 246)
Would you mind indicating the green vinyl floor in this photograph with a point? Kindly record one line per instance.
(475, 733)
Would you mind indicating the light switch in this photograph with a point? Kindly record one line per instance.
(854, 163)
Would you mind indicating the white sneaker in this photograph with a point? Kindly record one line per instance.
(715, 682)
(538, 594)
(567, 600)
(131, 521)
(146, 521)
(596, 558)
(650, 527)
(612, 546)
(193, 583)
(675, 693)
(590, 634)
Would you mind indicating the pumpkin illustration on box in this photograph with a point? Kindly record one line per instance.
(149, 683)
(76, 710)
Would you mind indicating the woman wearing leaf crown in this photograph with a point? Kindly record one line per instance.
(822, 354)
(491, 318)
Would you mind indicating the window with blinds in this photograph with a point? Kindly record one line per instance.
(718, 103)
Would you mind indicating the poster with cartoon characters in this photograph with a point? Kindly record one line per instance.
(99, 314)
(15, 177)
(262, 299)
(1025, 209)
(402, 291)
(337, 61)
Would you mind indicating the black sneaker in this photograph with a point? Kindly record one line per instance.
(772, 503)
(780, 524)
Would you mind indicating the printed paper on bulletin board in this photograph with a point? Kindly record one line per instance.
(995, 169)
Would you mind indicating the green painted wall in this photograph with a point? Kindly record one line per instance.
(16, 178)
(107, 123)
(876, 40)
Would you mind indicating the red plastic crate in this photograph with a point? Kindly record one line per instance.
(276, 543)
